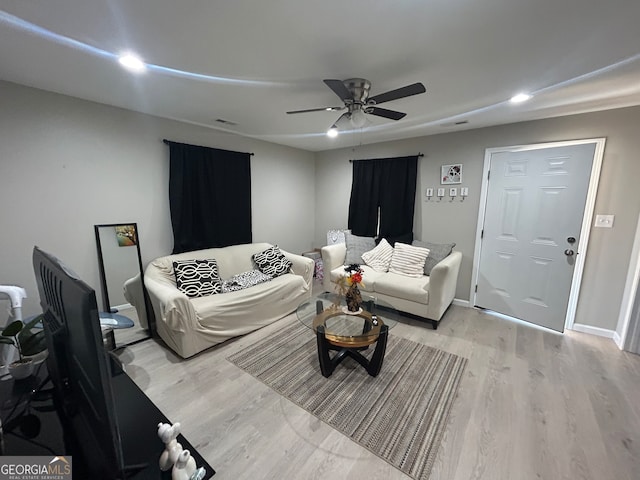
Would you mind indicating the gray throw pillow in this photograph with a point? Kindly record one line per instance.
(356, 246)
(437, 253)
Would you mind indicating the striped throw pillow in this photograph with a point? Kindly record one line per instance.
(408, 260)
(380, 257)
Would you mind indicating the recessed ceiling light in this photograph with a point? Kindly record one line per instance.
(132, 62)
(519, 98)
(332, 132)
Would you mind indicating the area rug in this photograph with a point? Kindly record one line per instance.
(400, 415)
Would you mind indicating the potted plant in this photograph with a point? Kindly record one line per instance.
(28, 343)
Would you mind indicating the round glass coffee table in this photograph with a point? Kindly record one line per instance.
(348, 333)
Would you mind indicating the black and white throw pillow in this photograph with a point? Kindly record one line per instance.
(197, 278)
(244, 280)
(272, 262)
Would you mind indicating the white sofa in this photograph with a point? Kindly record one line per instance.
(427, 297)
(190, 325)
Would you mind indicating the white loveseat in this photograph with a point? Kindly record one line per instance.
(190, 325)
(427, 297)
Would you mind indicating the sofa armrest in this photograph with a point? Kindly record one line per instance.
(332, 257)
(134, 294)
(171, 307)
(442, 285)
(302, 266)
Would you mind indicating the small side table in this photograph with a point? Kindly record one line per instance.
(109, 322)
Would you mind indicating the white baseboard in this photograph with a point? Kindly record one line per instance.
(461, 303)
(601, 332)
(618, 339)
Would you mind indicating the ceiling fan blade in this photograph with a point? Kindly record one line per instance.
(383, 112)
(322, 109)
(339, 89)
(413, 89)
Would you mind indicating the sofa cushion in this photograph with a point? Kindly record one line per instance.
(400, 286)
(272, 262)
(437, 253)
(380, 257)
(356, 246)
(369, 277)
(197, 278)
(408, 260)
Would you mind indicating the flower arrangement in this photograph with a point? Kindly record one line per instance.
(348, 286)
(352, 278)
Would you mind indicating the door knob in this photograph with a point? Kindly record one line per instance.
(568, 252)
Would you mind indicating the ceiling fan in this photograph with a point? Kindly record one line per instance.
(354, 92)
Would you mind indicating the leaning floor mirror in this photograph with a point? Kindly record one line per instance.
(123, 294)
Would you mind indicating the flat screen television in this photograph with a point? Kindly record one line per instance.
(79, 365)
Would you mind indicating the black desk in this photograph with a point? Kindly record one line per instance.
(138, 420)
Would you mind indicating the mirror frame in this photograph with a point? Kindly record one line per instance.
(103, 277)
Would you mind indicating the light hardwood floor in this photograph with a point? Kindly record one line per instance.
(531, 405)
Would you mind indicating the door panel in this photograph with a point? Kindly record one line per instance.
(535, 201)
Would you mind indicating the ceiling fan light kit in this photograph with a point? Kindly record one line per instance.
(354, 93)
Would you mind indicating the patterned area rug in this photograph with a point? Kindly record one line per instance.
(400, 415)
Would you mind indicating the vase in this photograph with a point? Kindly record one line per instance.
(353, 298)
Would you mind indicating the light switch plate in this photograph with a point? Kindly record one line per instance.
(604, 221)
(441, 192)
(453, 191)
(464, 191)
(428, 192)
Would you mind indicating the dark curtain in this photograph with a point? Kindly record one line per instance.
(363, 205)
(209, 197)
(387, 184)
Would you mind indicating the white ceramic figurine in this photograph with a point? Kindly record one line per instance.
(184, 467)
(172, 448)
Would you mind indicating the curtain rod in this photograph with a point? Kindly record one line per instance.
(167, 142)
(351, 160)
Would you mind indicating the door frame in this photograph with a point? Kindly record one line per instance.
(586, 219)
(625, 329)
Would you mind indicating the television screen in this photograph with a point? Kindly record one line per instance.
(78, 364)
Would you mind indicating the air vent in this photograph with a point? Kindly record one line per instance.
(454, 124)
(226, 122)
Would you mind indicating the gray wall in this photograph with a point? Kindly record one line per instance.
(67, 164)
(445, 221)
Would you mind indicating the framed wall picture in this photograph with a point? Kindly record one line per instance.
(451, 174)
(126, 235)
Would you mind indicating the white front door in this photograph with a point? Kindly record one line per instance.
(535, 203)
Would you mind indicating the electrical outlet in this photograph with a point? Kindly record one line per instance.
(453, 191)
(441, 192)
(604, 221)
(464, 191)
(429, 192)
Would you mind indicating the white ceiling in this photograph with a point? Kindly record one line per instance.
(250, 61)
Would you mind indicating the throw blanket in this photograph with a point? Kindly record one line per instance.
(244, 280)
